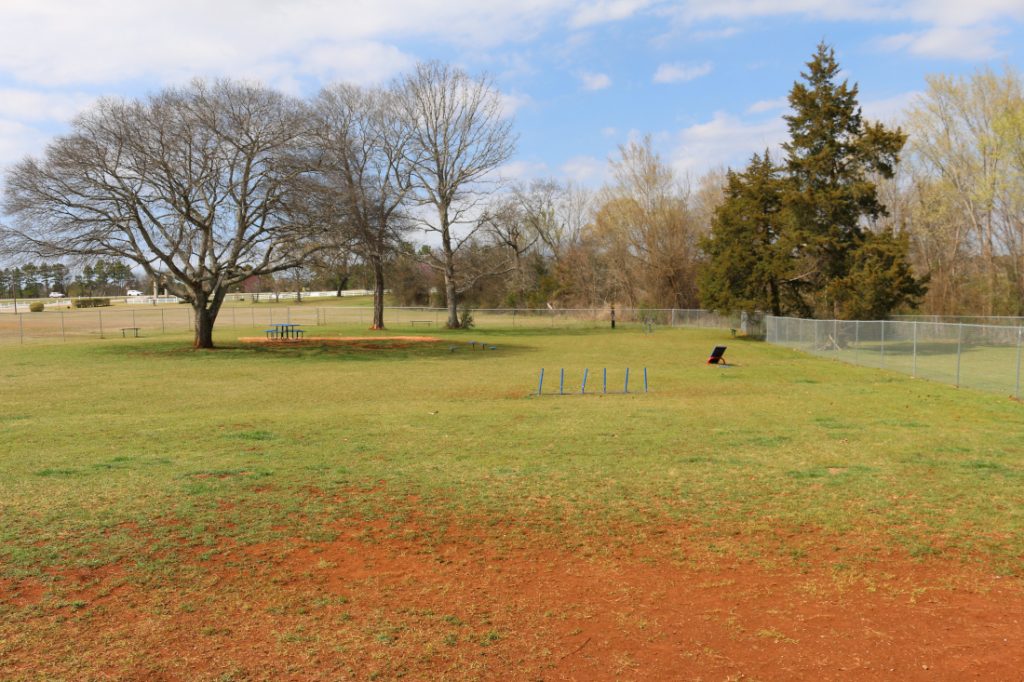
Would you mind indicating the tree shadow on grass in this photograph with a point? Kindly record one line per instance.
(369, 350)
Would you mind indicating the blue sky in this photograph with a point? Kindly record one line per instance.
(707, 80)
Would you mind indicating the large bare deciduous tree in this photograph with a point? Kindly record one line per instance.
(363, 138)
(196, 185)
(459, 138)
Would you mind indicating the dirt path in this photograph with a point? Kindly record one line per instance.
(381, 604)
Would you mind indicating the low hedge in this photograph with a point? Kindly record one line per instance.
(91, 302)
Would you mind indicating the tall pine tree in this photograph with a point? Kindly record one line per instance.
(795, 240)
(831, 158)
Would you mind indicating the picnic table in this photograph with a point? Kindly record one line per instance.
(284, 330)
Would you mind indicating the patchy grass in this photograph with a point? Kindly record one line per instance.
(236, 441)
(146, 457)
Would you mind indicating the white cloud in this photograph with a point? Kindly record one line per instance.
(595, 81)
(609, 131)
(586, 170)
(680, 73)
(970, 43)
(513, 102)
(604, 11)
(522, 170)
(725, 140)
(717, 34)
(18, 140)
(365, 63)
(889, 109)
(57, 42)
(764, 105)
(964, 29)
(29, 105)
(701, 10)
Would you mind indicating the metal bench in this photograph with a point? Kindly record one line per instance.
(125, 330)
(428, 323)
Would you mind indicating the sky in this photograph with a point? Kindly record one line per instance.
(707, 79)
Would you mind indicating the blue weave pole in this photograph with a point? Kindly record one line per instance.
(583, 386)
(625, 387)
(561, 382)
(540, 384)
(645, 380)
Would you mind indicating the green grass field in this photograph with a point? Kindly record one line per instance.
(148, 456)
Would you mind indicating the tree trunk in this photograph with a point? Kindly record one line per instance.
(450, 296)
(206, 309)
(773, 288)
(378, 292)
(342, 281)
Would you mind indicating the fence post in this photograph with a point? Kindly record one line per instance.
(163, 325)
(913, 371)
(65, 338)
(234, 322)
(959, 342)
(883, 343)
(21, 324)
(1020, 331)
(99, 313)
(835, 337)
(134, 324)
(856, 342)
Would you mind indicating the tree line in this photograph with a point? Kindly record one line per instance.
(208, 186)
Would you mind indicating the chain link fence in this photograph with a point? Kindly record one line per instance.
(247, 320)
(981, 356)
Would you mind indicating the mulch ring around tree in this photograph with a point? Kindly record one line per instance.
(362, 342)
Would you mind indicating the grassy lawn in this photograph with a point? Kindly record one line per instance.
(142, 431)
(147, 456)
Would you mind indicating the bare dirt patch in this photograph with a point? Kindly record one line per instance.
(384, 602)
(337, 339)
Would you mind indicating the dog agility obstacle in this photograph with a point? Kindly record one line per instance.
(583, 383)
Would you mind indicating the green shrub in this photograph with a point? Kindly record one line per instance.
(91, 302)
(36, 306)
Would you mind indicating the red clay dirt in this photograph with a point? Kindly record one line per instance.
(381, 602)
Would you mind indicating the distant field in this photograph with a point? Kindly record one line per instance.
(246, 318)
(380, 511)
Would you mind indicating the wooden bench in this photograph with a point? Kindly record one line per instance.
(429, 323)
(133, 330)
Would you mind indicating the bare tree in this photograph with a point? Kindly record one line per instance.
(459, 138)
(364, 139)
(647, 231)
(194, 183)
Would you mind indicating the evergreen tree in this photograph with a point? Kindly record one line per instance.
(795, 240)
(747, 246)
(832, 157)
